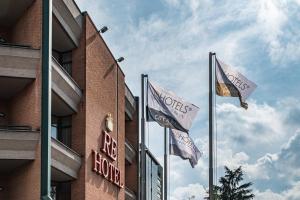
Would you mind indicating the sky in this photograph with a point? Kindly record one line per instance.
(170, 40)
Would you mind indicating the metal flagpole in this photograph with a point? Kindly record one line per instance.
(211, 197)
(143, 150)
(166, 166)
(46, 101)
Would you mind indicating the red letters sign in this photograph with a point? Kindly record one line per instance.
(104, 167)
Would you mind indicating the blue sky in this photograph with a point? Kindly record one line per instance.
(170, 41)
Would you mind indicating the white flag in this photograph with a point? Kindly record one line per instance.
(232, 83)
(169, 110)
(182, 145)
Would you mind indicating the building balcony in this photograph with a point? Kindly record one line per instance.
(129, 195)
(129, 104)
(66, 93)
(67, 25)
(18, 66)
(12, 10)
(18, 145)
(130, 153)
(65, 162)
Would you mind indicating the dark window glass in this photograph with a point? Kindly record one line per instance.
(61, 129)
(53, 192)
(61, 191)
(66, 61)
(54, 127)
(153, 179)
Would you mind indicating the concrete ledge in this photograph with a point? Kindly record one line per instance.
(129, 103)
(20, 145)
(65, 87)
(20, 62)
(130, 153)
(65, 162)
(129, 195)
(12, 10)
(69, 16)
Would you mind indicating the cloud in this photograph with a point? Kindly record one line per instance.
(244, 137)
(192, 190)
(291, 111)
(293, 193)
(268, 195)
(278, 171)
(170, 41)
(290, 194)
(277, 20)
(261, 125)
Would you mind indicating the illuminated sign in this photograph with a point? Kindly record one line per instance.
(102, 165)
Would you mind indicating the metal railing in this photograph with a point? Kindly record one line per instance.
(64, 71)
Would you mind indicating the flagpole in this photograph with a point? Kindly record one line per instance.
(165, 166)
(211, 122)
(143, 150)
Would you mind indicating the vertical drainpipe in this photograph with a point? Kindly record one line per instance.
(46, 100)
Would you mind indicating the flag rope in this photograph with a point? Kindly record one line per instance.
(169, 177)
(148, 133)
(148, 129)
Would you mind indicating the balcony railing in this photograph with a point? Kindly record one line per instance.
(130, 104)
(65, 162)
(18, 66)
(18, 145)
(69, 16)
(67, 93)
(18, 61)
(129, 195)
(130, 152)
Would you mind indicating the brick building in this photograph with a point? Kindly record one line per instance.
(91, 107)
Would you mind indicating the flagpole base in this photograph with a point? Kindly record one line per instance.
(46, 197)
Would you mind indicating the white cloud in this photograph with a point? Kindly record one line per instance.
(290, 194)
(261, 125)
(226, 157)
(268, 195)
(274, 18)
(293, 193)
(277, 171)
(271, 17)
(245, 137)
(192, 190)
(172, 47)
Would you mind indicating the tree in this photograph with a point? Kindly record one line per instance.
(216, 194)
(230, 188)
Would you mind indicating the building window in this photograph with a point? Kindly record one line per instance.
(53, 192)
(64, 59)
(61, 129)
(154, 173)
(60, 191)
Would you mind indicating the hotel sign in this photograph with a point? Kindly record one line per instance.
(103, 166)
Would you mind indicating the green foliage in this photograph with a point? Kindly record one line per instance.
(230, 187)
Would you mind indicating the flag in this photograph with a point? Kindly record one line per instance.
(231, 83)
(183, 146)
(168, 110)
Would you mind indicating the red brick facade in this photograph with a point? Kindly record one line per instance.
(102, 83)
